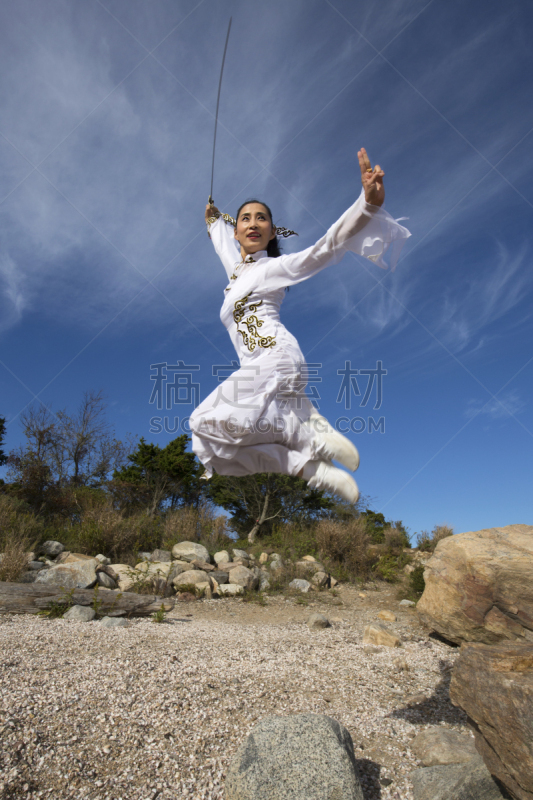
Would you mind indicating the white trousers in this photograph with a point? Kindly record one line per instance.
(255, 420)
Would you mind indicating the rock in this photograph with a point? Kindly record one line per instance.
(202, 565)
(230, 589)
(154, 569)
(301, 757)
(103, 560)
(263, 558)
(79, 614)
(362, 595)
(470, 781)
(408, 569)
(300, 585)
(320, 579)
(333, 581)
(240, 555)
(177, 568)
(126, 576)
(105, 580)
(244, 577)
(78, 575)
(407, 603)
(308, 567)
(190, 551)
(70, 558)
(388, 616)
(222, 557)
(308, 558)
(479, 586)
(264, 583)
(275, 557)
(220, 576)
(191, 577)
(494, 685)
(401, 665)
(51, 548)
(144, 556)
(379, 634)
(415, 699)
(114, 622)
(201, 588)
(161, 555)
(36, 565)
(439, 746)
(318, 621)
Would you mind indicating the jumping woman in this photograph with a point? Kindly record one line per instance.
(260, 419)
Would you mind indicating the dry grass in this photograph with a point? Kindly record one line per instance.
(195, 525)
(344, 545)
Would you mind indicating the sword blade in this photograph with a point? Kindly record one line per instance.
(216, 113)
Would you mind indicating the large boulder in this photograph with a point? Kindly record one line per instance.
(244, 577)
(51, 548)
(126, 576)
(77, 575)
(190, 551)
(479, 586)
(438, 746)
(470, 781)
(494, 685)
(301, 757)
(190, 578)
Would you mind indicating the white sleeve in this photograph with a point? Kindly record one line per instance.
(364, 229)
(225, 244)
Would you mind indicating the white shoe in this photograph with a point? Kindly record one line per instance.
(324, 476)
(331, 445)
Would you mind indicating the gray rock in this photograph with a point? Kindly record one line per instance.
(51, 548)
(105, 580)
(264, 583)
(407, 603)
(436, 746)
(222, 557)
(230, 589)
(144, 556)
(244, 577)
(240, 555)
(177, 568)
(79, 614)
(114, 622)
(320, 579)
(28, 577)
(220, 576)
(36, 565)
(300, 585)
(471, 781)
(103, 560)
(318, 621)
(301, 757)
(161, 555)
(190, 551)
(192, 576)
(77, 575)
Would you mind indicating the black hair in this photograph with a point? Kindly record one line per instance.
(273, 248)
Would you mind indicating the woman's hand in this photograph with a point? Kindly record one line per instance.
(372, 180)
(211, 211)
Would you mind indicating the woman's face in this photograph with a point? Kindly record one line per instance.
(254, 229)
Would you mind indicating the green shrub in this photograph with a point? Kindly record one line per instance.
(416, 580)
(427, 542)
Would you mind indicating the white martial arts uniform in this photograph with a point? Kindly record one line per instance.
(255, 420)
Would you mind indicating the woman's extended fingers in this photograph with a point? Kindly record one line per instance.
(364, 161)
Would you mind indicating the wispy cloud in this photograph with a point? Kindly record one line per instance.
(508, 404)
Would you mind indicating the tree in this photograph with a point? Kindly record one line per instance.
(157, 476)
(255, 501)
(64, 451)
(3, 457)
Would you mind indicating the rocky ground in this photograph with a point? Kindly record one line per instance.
(157, 710)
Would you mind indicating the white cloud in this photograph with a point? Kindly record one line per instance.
(498, 407)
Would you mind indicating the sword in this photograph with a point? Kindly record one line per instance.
(210, 201)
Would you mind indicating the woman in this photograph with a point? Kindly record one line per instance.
(260, 419)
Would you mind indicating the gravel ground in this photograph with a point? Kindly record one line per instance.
(158, 710)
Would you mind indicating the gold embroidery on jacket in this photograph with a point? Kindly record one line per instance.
(252, 338)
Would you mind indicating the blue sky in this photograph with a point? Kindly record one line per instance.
(105, 267)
